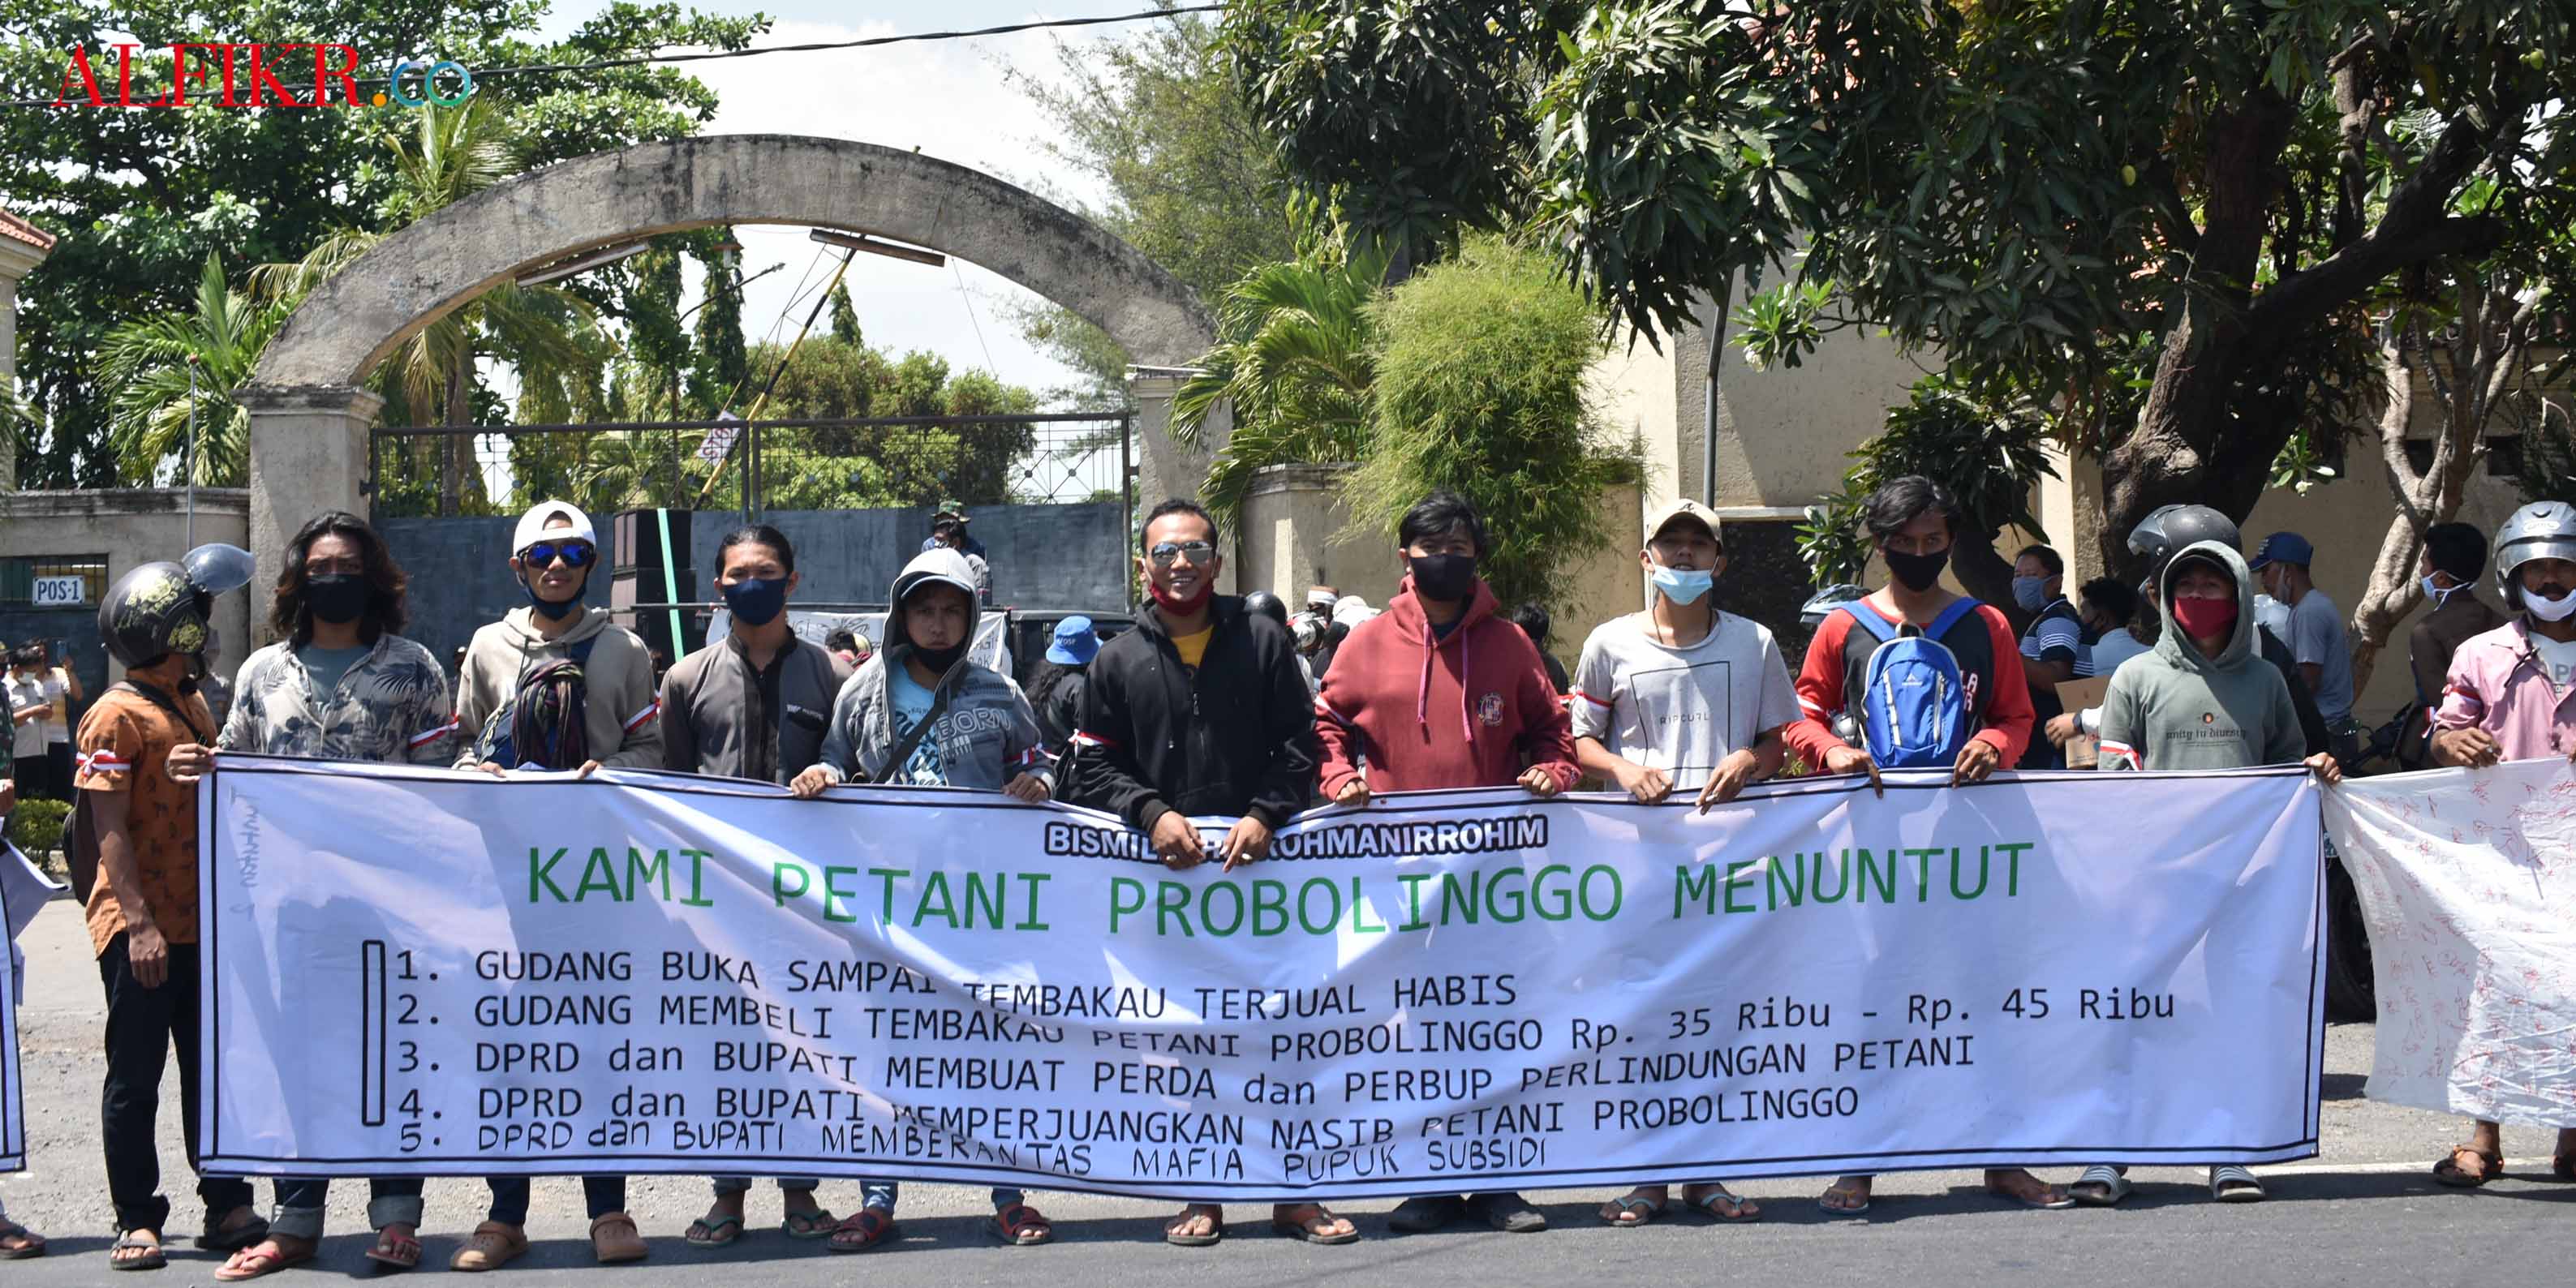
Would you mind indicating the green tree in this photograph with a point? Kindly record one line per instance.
(140, 198)
(1294, 359)
(845, 319)
(720, 375)
(1158, 122)
(2158, 218)
(147, 368)
(1480, 390)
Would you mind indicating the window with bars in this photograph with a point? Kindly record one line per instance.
(53, 581)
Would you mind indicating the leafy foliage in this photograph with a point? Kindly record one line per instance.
(1990, 458)
(148, 363)
(1480, 390)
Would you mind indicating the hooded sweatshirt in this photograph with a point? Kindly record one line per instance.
(2177, 708)
(985, 736)
(1467, 710)
(621, 714)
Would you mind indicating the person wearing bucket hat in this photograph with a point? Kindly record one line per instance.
(1057, 690)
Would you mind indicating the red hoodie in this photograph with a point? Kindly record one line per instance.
(1466, 711)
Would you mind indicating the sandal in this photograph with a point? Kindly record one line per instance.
(614, 1240)
(865, 1230)
(1021, 1226)
(812, 1223)
(395, 1251)
(2101, 1185)
(249, 1234)
(1629, 1212)
(1706, 1205)
(2449, 1172)
(148, 1241)
(30, 1243)
(491, 1246)
(1215, 1216)
(258, 1262)
(1302, 1221)
(1846, 1192)
(703, 1233)
(2049, 1198)
(2230, 1183)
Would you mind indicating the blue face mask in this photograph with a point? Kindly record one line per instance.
(551, 610)
(1683, 586)
(756, 602)
(2031, 593)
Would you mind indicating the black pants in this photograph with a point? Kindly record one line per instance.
(601, 1194)
(58, 767)
(142, 1023)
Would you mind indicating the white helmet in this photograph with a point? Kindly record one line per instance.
(2540, 530)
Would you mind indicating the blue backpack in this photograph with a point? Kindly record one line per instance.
(1913, 703)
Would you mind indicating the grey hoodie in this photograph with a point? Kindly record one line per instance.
(2175, 708)
(986, 736)
(621, 714)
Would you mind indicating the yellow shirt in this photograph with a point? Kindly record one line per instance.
(1193, 647)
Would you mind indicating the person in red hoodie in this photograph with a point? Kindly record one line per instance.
(1913, 521)
(1441, 690)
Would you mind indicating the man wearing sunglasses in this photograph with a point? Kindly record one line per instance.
(1200, 710)
(620, 727)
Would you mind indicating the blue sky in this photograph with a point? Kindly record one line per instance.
(949, 98)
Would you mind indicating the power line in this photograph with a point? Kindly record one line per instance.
(815, 47)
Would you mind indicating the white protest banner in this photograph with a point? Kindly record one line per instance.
(2467, 880)
(414, 971)
(23, 892)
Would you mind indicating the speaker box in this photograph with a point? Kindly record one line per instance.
(646, 571)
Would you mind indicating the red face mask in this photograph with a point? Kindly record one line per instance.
(2204, 619)
(1175, 604)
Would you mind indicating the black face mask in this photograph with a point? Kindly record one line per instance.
(1917, 573)
(940, 661)
(336, 597)
(1447, 578)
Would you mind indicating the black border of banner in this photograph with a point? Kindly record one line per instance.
(216, 1161)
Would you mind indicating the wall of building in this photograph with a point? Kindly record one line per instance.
(124, 528)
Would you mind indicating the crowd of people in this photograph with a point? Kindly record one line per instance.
(1214, 705)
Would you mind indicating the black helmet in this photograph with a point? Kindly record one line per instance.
(160, 608)
(2165, 532)
(1267, 605)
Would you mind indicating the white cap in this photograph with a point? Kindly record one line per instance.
(1684, 508)
(1351, 610)
(532, 525)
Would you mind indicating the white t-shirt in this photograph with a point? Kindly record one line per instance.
(57, 689)
(1681, 710)
(2559, 658)
(26, 739)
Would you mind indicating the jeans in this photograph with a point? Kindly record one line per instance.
(142, 1024)
(881, 1196)
(602, 1194)
(737, 1184)
(392, 1200)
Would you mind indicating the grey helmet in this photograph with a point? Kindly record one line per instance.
(2540, 530)
(2169, 528)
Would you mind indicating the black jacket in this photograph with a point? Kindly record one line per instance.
(1237, 738)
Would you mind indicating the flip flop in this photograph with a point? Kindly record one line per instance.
(1825, 1200)
(397, 1251)
(2062, 1201)
(33, 1247)
(1214, 1236)
(703, 1233)
(2115, 1186)
(126, 1240)
(249, 1263)
(1707, 1203)
(2447, 1169)
(813, 1224)
(1303, 1229)
(1615, 1212)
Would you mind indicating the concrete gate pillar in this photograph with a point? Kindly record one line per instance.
(308, 454)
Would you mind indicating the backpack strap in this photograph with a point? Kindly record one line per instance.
(1870, 621)
(1949, 617)
(912, 741)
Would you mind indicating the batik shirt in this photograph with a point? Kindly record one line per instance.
(391, 705)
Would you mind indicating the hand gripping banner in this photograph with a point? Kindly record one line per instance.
(2467, 880)
(411, 971)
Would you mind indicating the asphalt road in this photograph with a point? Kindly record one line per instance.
(2365, 1213)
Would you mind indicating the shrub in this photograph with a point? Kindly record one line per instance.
(38, 825)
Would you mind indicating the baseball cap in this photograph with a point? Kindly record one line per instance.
(532, 525)
(1685, 508)
(2284, 547)
(1075, 642)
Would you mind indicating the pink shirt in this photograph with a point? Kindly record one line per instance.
(2498, 683)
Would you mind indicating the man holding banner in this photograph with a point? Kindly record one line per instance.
(1913, 522)
(1200, 710)
(2508, 699)
(754, 706)
(341, 686)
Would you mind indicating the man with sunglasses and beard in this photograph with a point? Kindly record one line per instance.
(341, 685)
(553, 553)
(1200, 710)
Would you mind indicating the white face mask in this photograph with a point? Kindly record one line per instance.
(2437, 593)
(2547, 609)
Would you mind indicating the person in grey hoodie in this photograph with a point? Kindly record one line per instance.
(2203, 699)
(920, 714)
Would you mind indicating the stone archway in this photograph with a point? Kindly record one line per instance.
(310, 414)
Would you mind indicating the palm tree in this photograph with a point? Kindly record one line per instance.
(453, 153)
(1293, 356)
(147, 364)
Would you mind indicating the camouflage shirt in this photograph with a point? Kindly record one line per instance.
(392, 705)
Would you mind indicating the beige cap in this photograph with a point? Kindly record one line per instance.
(1685, 508)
